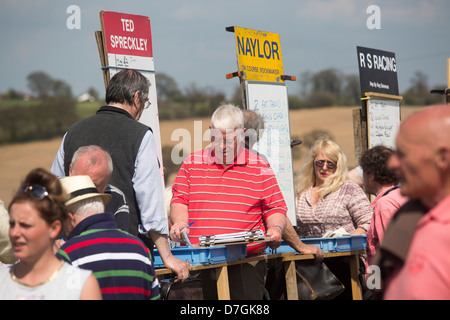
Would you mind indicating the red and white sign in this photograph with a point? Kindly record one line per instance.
(127, 34)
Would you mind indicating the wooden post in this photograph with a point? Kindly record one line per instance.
(223, 290)
(101, 52)
(291, 280)
(359, 132)
(354, 274)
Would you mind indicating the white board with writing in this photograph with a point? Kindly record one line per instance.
(383, 120)
(271, 101)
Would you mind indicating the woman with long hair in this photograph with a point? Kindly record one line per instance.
(326, 200)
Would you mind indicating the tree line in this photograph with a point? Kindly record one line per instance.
(329, 87)
(53, 108)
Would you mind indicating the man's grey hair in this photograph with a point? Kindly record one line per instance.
(87, 207)
(227, 116)
(254, 123)
(124, 84)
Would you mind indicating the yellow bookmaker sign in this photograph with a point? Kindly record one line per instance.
(259, 55)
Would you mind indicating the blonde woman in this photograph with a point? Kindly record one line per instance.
(326, 200)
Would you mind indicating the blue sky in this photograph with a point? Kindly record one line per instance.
(191, 45)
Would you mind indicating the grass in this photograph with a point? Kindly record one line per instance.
(87, 109)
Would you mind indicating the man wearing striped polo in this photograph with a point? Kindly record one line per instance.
(226, 188)
(120, 261)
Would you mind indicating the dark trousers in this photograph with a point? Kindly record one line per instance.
(247, 281)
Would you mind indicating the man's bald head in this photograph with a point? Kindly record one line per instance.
(423, 155)
(94, 162)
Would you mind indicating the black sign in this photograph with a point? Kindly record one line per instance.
(377, 71)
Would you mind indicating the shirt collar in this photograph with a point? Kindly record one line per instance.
(95, 221)
(115, 109)
(241, 159)
(439, 213)
(380, 195)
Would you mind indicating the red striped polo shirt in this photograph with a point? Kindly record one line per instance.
(226, 199)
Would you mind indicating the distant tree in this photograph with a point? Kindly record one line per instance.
(351, 93)
(61, 89)
(193, 95)
(305, 83)
(328, 87)
(236, 98)
(213, 98)
(94, 93)
(320, 98)
(419, 91)
(12, 94)
(44, 86)
(166, 87)
(329, 80)
(40, 83)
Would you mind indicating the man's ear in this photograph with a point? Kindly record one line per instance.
(443, 158)
(136, 98)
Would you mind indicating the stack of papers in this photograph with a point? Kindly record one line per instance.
(233, 238)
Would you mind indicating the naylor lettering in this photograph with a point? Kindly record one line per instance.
(258, 49)
(378, 62)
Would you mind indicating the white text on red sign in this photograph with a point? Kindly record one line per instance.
(131, 43)
(127, 25)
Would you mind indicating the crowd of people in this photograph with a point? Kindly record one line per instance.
(88, 227)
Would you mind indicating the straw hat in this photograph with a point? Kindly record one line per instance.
(80, 188)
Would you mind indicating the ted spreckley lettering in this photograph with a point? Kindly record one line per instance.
(227, 309)
(129, 43)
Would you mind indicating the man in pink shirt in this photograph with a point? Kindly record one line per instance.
(423, 158)
(382, 182)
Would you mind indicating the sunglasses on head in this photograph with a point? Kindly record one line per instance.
(321, 163)
(35, 191)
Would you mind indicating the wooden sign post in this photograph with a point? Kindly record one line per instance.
(377, 122)
(264, 91)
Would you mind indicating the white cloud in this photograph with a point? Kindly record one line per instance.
(330, 10)
(416, 12)
(24, 4)
(191, 11)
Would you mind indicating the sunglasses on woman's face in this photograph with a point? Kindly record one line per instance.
(35, 191)
(321, 164)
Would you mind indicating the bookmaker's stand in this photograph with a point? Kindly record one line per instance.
(288, 258)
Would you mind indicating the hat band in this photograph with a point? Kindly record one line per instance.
(82, 192)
